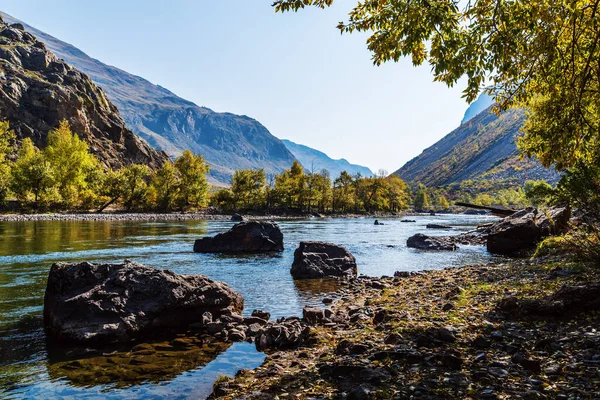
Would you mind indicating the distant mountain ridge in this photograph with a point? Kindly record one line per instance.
(38, 91)
(168, 122)
(484, 147)
(483, 102)
(316, 160)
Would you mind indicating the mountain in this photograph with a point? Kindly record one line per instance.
(479, 105)
(170, 123)
(37, 91)
(316, 160)
(482, 148)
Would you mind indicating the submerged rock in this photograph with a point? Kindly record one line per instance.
(314, 260)
(245, 237)
(424, 242)
(437, 226)
(103, 303)
(525, 228)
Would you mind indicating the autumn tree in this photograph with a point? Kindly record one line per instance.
(542, 55)
(164, 188)
(421, 202)
(133, 181)
(248, 188)
(192, 170)
(443, 203)
(343, 192)
(31, 174)
(290, 186)
(71, 162)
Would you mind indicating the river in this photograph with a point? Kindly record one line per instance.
(28, 368)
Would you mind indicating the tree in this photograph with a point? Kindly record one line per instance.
(133, 189)
(164, 188)
(538, 192)
(247, 188)
(7, 138)
(31, 173)
(422, 199)
(397, 193)
(71, 162)
(192, 170)
(343, 192)
(290, 186)
(543, 55)
(443, 203)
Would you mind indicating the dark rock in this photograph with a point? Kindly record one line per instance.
(327, 300)
(481, 342)
(525, 228)
(424, 242)
(404, 274)
(363, 392)
(527, 363)
(392, 339)
(245, 237)
(318, 259)
(236, 335)
(378, 223)
(261, 314)
(237, 218)
(408, 220)
(380, 316)
(313, 315)
(452, 361)
(255, 320)
(118, 302)
(437, 226)
(444, 334)
(284, 335)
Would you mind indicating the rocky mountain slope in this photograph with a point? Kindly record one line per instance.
(482, 148)
(170, 123)
(316, 160)
(37, 91)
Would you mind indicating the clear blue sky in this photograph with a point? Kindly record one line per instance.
(293, 72)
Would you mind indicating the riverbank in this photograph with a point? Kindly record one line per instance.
(452, 333)
(115, 216)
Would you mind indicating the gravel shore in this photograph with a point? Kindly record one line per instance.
(447, 334)
(162, 217)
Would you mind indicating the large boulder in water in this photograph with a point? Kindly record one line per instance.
(314, 260)
(104, 303)
(424, 242)
(245, 237)
(525, 228)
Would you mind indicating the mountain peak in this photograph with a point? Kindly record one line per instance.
(478, 106)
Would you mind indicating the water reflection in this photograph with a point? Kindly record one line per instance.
(142, 363)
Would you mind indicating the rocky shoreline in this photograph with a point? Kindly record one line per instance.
(452, 333)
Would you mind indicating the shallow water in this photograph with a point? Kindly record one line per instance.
(27, 249)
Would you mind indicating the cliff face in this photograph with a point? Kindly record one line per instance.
(37, 91)
(170, 123)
